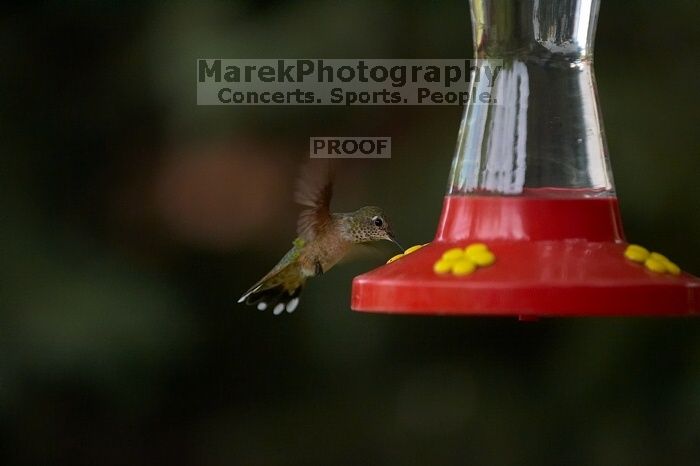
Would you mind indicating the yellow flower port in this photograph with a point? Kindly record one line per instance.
(405, 253)
(463, 261)
(654, 261)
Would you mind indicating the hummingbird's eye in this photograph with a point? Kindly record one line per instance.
(377, 221)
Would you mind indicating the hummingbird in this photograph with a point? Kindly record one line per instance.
(324, 238)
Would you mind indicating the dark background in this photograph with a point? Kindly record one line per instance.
(132, 220)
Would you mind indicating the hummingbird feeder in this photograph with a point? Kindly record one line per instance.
(530, 225)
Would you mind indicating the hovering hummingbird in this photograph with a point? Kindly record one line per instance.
(323, 239)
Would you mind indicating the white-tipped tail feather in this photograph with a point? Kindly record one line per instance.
(276, 298)
(292, 305)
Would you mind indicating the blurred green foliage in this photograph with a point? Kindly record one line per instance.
(132, 220)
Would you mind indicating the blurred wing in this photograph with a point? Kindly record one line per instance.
(314, 191)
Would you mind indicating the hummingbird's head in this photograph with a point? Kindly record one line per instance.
(370, 224)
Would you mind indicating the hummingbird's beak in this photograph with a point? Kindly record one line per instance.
(390, 237)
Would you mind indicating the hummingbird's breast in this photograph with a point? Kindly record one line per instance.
(326, 249)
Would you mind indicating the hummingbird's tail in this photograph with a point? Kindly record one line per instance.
(277, 298)
(279, 290)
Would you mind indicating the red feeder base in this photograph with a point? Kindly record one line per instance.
(555, 256)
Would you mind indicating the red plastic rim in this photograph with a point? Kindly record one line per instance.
(554, 257)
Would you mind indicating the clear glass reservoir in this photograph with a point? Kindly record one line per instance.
(544, 135)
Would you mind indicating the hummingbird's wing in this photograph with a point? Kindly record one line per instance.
(314, 191)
